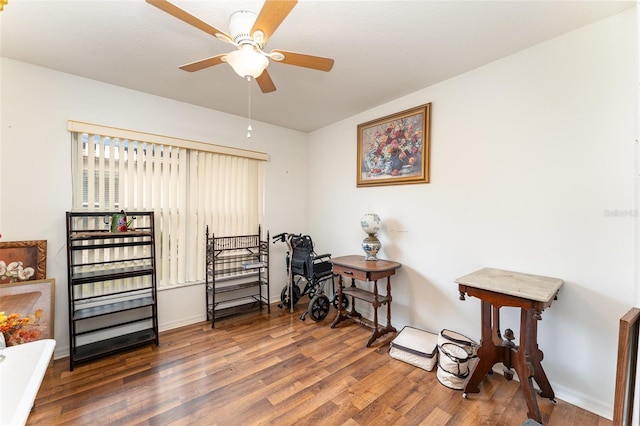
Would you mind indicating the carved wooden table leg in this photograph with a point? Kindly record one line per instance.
(523, 365)
(341, 316)
(376, 332)
(389, 328)
(488, 353)
(353, 313)
(536, 356)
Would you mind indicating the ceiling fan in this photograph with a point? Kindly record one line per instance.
(249, 32)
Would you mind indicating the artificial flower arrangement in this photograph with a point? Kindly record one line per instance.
(19, 329)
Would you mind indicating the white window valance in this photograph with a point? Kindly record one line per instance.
(97, 129)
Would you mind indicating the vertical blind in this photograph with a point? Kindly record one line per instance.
(188, 185)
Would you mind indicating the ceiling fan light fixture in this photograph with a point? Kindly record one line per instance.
(247, 62)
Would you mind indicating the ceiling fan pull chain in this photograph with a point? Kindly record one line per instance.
(249, 95)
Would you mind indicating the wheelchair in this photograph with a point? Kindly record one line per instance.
(306, 267)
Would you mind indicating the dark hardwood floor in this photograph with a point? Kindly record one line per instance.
(275, 369)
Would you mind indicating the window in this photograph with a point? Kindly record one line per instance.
(188, 185)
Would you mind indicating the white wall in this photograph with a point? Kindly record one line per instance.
(531, 156)
(35, 171)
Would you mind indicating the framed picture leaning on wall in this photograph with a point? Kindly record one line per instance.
(23, 261)
(27, 311)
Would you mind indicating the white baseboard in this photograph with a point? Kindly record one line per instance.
(572, 397)
(583, 401)
(181, 323)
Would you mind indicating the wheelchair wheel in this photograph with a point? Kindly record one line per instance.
(284, 295)
(345, 302)
(319, 307)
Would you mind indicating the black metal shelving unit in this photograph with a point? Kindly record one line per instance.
(112, 285)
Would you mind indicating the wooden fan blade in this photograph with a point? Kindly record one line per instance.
(265, 82)
(204, 63)
(271, 16)
(307, 61)
(185, 16)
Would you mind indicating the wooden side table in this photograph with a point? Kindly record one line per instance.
(532, 294)
(356, 268)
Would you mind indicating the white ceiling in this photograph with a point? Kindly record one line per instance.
(382, 49)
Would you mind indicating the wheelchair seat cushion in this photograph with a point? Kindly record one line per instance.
(322, 269)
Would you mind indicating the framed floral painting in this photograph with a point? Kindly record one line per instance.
(23, 261)
(27, 311)
(394, 150)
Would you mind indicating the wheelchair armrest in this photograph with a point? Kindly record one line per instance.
(321, 256)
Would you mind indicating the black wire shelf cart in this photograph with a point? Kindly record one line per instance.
(237, 274)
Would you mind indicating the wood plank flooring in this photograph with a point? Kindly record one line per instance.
(258, 368)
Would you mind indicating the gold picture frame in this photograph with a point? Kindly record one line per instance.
(27, 311)
(23, 261)
(395, 150)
